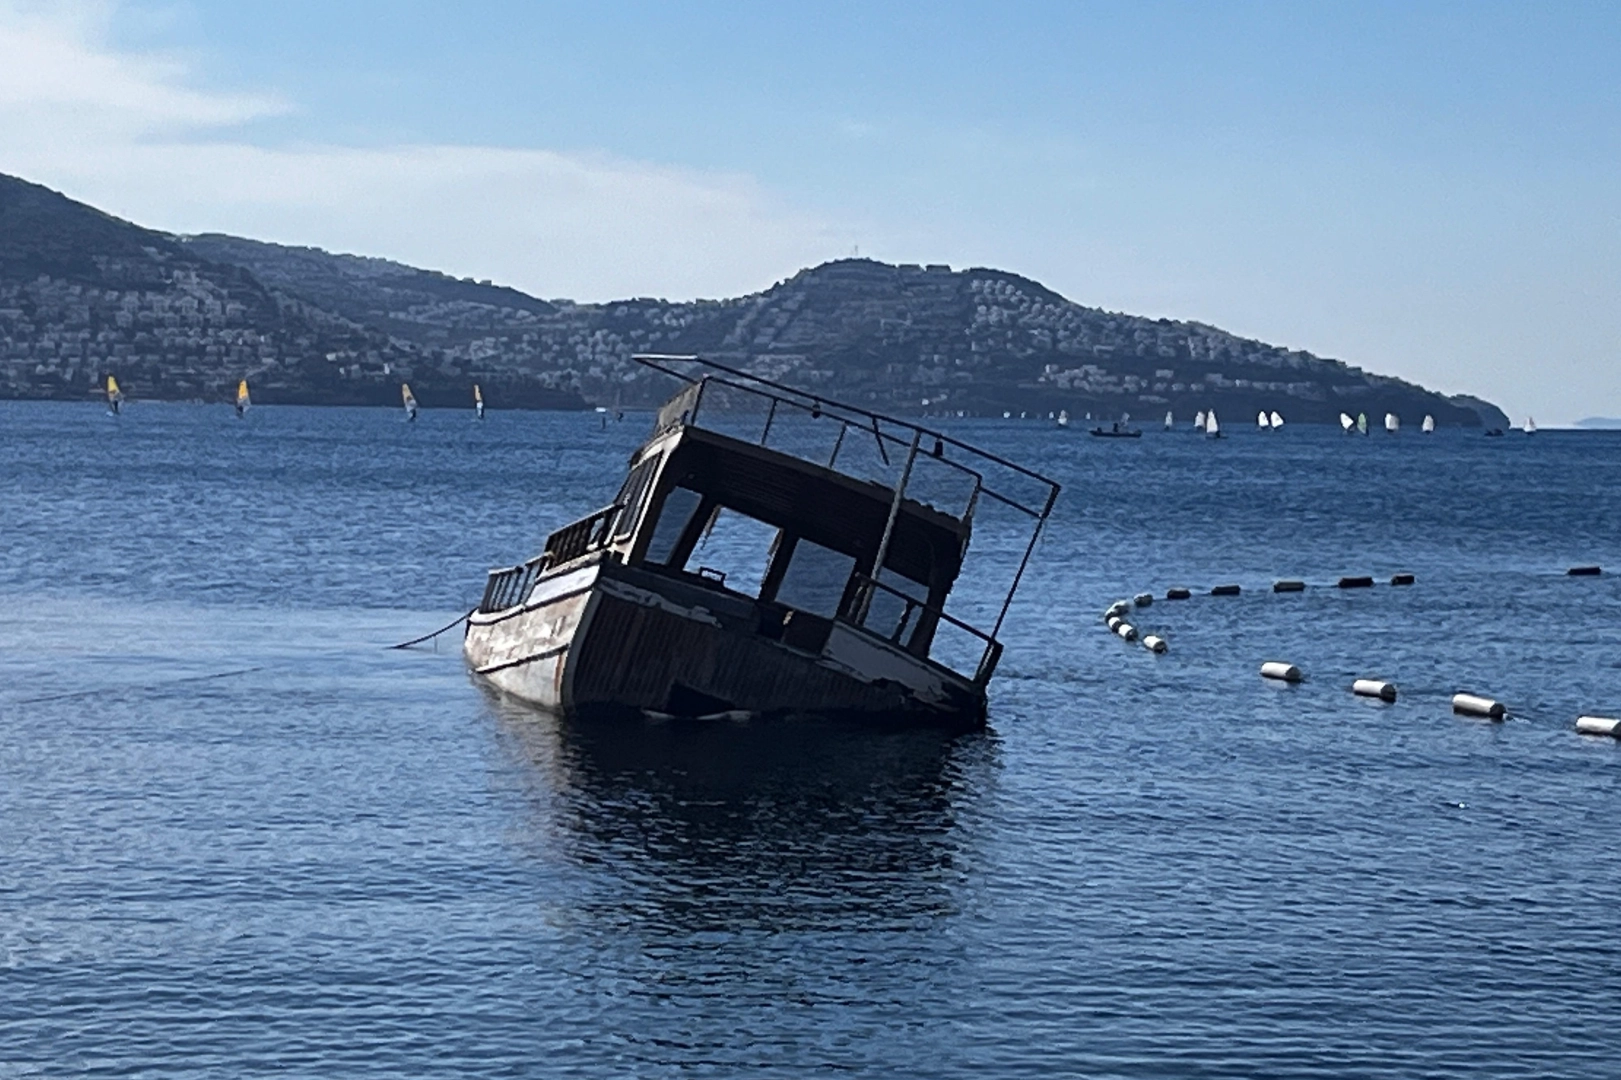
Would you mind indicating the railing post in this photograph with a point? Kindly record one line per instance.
(844, 425)
(889, 525)
(770, 415)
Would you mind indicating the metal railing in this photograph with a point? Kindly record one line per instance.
(582, 537)
(916, 442)
(509, 586)
(860, 614)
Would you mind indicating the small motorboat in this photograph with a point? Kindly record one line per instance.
(1120, 429)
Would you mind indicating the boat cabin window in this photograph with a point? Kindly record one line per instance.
(679, 507)
(735, 551)
(886, 611)
(816, 579)
(633, 496)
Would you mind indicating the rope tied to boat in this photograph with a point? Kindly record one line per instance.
(442, 630)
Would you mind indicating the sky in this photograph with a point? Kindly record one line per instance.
(1427, 190)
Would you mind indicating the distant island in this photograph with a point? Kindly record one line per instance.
(1601, 423)
(84, 295)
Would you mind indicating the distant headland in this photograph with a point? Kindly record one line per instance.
(84, 295)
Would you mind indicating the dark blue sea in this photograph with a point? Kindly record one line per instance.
(239, 837)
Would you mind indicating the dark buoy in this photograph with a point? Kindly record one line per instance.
(1288, 585)
(1177, 593)
(1584, 571)
(1225, 590)
(1402, 579)
(1356, 583)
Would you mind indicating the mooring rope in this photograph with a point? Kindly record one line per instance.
(443, 629)
(100, 690)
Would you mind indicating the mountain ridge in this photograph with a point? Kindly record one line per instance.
(83, 294)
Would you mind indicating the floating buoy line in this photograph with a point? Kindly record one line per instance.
(1464, 703)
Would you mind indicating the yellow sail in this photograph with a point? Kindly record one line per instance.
(113, 393)
(242, 392)
(407, 397)
(478, 395)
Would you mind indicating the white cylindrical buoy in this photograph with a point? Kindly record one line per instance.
(1277, 669)
(1599, 725)
(1475, 705)
(1289, 585)
(1384, 691)
(1114, 623)
(1143, 599)
(1127, 631)
(1154, 644)
(1116, 609)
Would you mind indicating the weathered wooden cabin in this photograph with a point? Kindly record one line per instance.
(762, 573)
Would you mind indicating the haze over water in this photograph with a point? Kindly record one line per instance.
(239, 837)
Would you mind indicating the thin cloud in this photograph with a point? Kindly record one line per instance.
(128, 133)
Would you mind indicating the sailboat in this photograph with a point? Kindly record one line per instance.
(1063, 418)
(410, 401)
(243, 401)
(1346, 423)
(1198, 421)
(1530, 425)
(1277, 420)
(1429, 424)
(478, 401)
(1261, 420)
(1211, 427)
(1362, 422)
(115, 396)
(1392, 423)
(1170, 421)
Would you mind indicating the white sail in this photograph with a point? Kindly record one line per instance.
(1530, 425)
(1261, 420)
(1210, 425)
(1362, 422)
(1198, 421)
(1346, 423)
(1170, 421)
(1277, 420)
(1392, 422)
(1429, 423)
(1063, 418)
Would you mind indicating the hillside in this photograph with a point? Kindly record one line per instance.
(82, 294)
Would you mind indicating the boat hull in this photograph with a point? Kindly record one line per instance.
(606, 637)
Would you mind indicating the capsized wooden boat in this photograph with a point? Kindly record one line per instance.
(767, 572)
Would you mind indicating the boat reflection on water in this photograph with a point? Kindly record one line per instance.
(804, 823)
